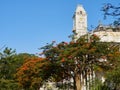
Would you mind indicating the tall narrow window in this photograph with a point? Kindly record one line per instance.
(80, 12)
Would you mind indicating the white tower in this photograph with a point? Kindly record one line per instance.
(79, 22)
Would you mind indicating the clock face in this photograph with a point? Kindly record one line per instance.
(81, 19)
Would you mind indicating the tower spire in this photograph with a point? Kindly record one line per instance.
(79, 22)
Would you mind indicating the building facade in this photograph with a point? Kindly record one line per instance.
(106, 33)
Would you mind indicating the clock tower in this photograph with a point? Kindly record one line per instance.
(79, 22)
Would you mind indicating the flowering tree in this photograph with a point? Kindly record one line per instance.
(77, 60)
(9, 62)
(32, 73)
(81, 57)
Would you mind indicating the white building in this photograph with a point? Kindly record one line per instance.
(106, 33)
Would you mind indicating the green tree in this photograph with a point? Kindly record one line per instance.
(9, 63)
(113, 76)
(6, 60)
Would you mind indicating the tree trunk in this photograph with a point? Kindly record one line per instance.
(78, 81)
(74, 87)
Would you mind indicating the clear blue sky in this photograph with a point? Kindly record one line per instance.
(26, 25)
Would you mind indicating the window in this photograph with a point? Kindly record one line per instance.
(80, 12)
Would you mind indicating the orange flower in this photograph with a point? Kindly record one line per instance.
(110, 55)
(117, 53)
(87, 45)
(71, 42)
(63, 60)
(70, 57)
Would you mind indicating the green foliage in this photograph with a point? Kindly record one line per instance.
(113, 78)
(6, 63)
(81, 55)
(8, 85)
(9, 63)
(97, 84)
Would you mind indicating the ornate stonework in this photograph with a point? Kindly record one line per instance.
(108, 33)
